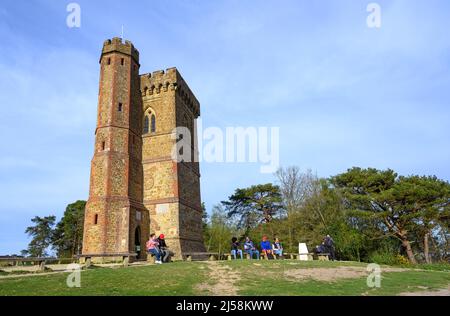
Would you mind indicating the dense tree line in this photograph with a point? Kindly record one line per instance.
(373, 215)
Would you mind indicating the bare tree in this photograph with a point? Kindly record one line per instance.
(299, 189)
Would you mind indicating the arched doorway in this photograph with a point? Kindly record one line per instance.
(137, 242)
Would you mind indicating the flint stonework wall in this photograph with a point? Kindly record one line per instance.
(135, 186)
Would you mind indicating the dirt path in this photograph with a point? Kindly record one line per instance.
(332, 274)
(28, 275)
(223, 280)
(443, 292)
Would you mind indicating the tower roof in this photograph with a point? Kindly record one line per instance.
(116, 45)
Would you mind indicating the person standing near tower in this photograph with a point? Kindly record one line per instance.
(329, 245)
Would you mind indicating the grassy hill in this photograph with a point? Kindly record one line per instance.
(281, 277)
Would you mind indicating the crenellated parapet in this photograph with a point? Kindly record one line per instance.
(160, 81)
(117, 45)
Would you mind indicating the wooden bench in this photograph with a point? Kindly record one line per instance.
(323, 256)
(291, 255)
(125, 257)
(263, 256)
(310, 256)
(151, 258)
(297, 256)
(34, 261)
(229, 256)
(247, 255)
(212, 256)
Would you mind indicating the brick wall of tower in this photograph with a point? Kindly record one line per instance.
(171, 189)
(135, 186)
(116, 168)
(188, 109)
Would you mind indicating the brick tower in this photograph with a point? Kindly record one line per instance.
(116, 221)
(171, 188)
(136, 187)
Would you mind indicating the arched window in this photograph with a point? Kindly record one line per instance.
(146, 124)
(153, 127)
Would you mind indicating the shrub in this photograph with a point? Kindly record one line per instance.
(440, 266)
(387, 258)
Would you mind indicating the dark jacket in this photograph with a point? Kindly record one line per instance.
(329, 242)
(162, 243)
(235, 245)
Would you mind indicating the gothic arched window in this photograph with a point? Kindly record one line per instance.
(146, 125)
(153, 126)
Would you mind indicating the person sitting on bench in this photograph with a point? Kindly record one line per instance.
(277, 247)
(152, 248)
(163, 249)
(320, 248)
(250, 248)
(266, 247)
(235, 248)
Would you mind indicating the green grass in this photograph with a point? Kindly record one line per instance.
(256, 278)
(253, 281)
(171, 279)
(433, 267)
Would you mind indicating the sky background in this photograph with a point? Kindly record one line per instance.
(342, 94)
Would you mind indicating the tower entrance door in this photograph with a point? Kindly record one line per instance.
(137, 242)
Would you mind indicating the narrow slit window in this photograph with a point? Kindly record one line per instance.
(120, 107)
(108, 62)
(103, 145)
(146, 124)
(153, 127)
(96, 219)
(122, 61)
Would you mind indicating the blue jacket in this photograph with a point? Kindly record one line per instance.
(248, 245)
(265, 245)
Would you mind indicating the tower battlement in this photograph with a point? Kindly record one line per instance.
(118, 45)
(170, 79)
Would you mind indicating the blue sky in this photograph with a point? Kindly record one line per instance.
(342, 94)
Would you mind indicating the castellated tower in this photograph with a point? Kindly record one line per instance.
(136, 187)
(171, 188)
(115, 219)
